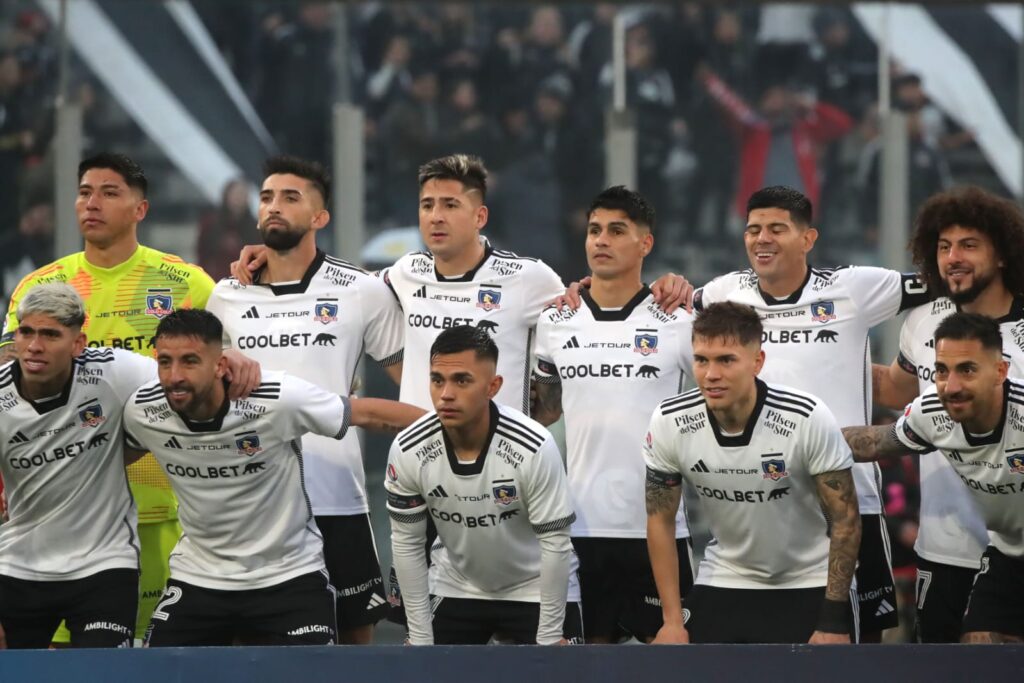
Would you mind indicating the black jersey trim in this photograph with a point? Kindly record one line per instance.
(519, 428)
(477, 466)
(1015, 313)
(471, 273)
(214, 425)
(555, 524)
(415, 434)
(512, 256)
(342, 263)
(748, 431)
(792, 298)
(786, 408)
(685, 396)
(393, 359)
(408, 519)
(299, 287)
(997, 434)
(680, 407)
(43, 407)
(787, 397)
(602, 315)
(906, 364)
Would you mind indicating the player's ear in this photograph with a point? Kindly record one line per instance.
(80, 343)
(141, 209)
(810, 237)
(646, 241)
(759, 362)
(495, 386)
(1004, 370)
(320, 219)
(221, 369)
(481, 216)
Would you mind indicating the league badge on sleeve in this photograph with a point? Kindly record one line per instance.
(823, 311)
(489, 298)
(248, 443)
(325, 312)
(774, 469)
(159, 303)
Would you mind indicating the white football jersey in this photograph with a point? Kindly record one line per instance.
(242, 499)
(951, 528)
(816, 340)
(504, 295)
(615, 367)
(489, 512)
(71, 513)
(990, 466)
(317, 329)
(757, 489)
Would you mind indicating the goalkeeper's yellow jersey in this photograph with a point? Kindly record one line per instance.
(123, 306)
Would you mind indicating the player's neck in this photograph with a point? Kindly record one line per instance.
(461, 263)
(113, 254)
(468, 440)
(995, 301)
(36, 391)
(782, 286)
(615, 292)
(291, 265)
(211, 406)
(733, 419)
(988, 422)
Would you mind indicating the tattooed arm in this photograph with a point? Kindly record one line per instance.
(380, 415)
(546, 401)
(663, 492)
(874, 443)
(839, 502)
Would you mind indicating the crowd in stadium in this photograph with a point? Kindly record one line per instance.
(526, 88)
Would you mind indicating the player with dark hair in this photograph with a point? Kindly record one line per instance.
(968, 245)
(607, 365)
(128, 288)
(773, 476)
(492, 479)
(816, 325)
(250, 565)
(974, 417)
(323, 313)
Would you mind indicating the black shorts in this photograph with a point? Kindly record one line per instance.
(996, 603)
(620, 598)
(299, 611)
(99, 610)
(351, 557)
(942, 593)
(742, 615)
(464, 621)
(876, 590)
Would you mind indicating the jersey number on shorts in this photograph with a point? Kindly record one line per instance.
(171, 596)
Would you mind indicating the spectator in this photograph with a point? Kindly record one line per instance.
(16, 139)
(392, 80)
(225, 230)
(464, 127)
(936, 128)
(32, 242)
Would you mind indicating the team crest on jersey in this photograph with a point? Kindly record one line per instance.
(774, 469)
(92, 416)
(645, 343)
(823, 311)
(325, 312)
(159, 303)
(488, 299)
(504, 494)
(248, 444)
(1016, 463)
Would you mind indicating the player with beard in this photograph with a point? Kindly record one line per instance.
(968, 245)
(313, 316)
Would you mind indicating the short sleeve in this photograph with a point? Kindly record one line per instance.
(913, 429)
(905, 359)
(542, 285)
(881, 294)
(544, 369)
(311, 409)
(384, 335)
(200, 287)
(659, 450)
(824, 448)
(547, 491)
(405, 501)
(132, 372)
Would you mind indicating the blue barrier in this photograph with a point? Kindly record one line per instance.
(593, 664)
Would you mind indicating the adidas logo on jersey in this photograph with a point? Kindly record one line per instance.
(420, 293)
(884, 608)
(700, 467)
(251, 313)
(375, 601)
(438, 492)
(571, 344)
(18, 438)
(172, 443)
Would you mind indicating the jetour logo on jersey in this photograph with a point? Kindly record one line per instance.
(774, 469)
(92, 415)
(248, 443)
(489, 297)
(504, 492)
(823, 311)
(645, 342)
(325, 312)
(159, 302)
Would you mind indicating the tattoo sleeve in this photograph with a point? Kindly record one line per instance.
(662, 493)
(839, 501)
(546, 406)
(874, 443)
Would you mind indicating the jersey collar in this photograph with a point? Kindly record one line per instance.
(792, 298)
(744, 438)
(996, 435)
(1015, 313)
(619, 315)
(43, 407)
(477, 466)
(213, 425)
(299, 287)
(467, 277)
